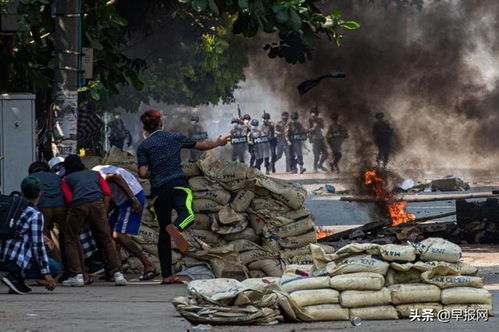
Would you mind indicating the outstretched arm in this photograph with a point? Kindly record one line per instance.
(208, 145)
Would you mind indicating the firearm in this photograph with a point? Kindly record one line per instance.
(239, 113)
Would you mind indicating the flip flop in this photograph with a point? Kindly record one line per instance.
(172, 280)
(177, 237)
(149, 275)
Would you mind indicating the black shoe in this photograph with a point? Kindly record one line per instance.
(15, 285)
(324, 169)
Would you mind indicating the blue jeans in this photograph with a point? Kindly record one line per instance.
(34, 271)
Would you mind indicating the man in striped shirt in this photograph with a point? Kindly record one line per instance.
(28, 250)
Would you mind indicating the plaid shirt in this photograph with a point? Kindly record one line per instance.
(30, 246)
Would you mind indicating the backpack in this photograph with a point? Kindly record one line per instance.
(11, 208)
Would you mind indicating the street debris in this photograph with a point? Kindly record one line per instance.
(357, 282)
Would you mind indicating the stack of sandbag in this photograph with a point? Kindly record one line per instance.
(246, 224)
(373, 281)
(228, 301)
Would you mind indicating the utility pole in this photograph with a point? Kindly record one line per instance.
(67, 73)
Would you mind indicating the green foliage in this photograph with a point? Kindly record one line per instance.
(297, 22)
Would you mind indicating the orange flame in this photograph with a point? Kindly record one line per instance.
(396, 209)
(321, 233)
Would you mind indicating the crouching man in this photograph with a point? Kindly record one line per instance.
(26, 250)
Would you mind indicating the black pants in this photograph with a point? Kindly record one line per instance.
(273, 158)
(320, 153)
(174, 195)
(259, 162)
(238, 152)
(383, 155)
(336, 160)
(282, 148)
(252, 155)
(12, 269)
(295, 157)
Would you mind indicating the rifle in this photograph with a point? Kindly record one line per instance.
(239, 113)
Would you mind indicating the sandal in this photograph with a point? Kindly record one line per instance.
(177, 238)
(149, 275)
(172, 280)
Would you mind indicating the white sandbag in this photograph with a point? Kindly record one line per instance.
(269, 204)
(414, 293)
(394, 252)
(405, 310)
(298, 282)
(291, 194)
(321, 256)
(270, 244)
(459, 268)
(271, 267)
(477, 308)
(205, 206)
(244, 245)
(383, 312)
(200, 183)
(236, 185)
(358, 281)
(228, 216)
(257, 223)
(360, 263)
(203, 235)
(444, 278)
(300, 260)
(247, 234)
(354, 298)
(297, 214)
(191, 169)
(255, 255)
(257, 274)
(358, 248)
(466, 295)
(220, 228)
(327, 312)
(315, 296)
(298, 241)
(221, 170)
(402, 277)
(242, 200)
(438, 249)
(220, 196)
(228, 267)
(294, 228)
(201, 221)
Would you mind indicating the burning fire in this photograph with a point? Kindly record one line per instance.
(396, 209)
(321, 232)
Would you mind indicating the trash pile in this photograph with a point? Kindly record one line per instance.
(246, 224)
(369, 281)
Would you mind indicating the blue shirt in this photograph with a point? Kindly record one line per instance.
(52, 190)
(160, 152)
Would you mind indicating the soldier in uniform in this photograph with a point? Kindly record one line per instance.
(268, 129)
(246, 123)
(196, 133)
(316, 125)
(335, 136)
(260, 145)
(383, 137)
(281, 142)
(238, 140)
(296, 135)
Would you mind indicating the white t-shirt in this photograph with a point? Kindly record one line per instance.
(117, 194)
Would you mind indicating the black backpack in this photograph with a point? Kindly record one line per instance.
(11, 208)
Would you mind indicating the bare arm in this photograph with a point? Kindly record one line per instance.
(118, 179)
(208, 145)
(143, 172)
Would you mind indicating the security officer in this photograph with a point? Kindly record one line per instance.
(260, 145)
(316, 125)
(281, 142)
(335, 136)
(239, 140)
(383, 138)
(296, 135)
(268, 129)
(196, 133)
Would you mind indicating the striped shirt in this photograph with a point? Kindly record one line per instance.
(30, 247)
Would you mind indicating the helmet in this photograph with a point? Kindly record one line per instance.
(284, 114)
(55, 161)
(246, 117)
(234, 120)
(266, 116)
(195, 118)
(379, 115)
(294, 116)
(254, 122)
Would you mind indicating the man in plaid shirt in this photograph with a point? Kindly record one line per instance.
(19, 254)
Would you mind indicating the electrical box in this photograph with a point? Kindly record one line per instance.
(17, 139)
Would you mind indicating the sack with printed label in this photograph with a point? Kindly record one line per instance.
(286, 192)
(267, 204)
(228, 266)
(257, 223)
(383, 312)
(255, 255)
(200, 183)
(414, 293)
(242, 200)
(271, 267)
(358, 248)
(394, 252)
(438, 249)
(444, 277)
(220, 170)
(201, 221)
(220, 196)
(402, 277)
(297, 214)
(245, 245)
(294, 228)
(270, 244)
(205, 206)
(360, 263)
(220, 228)
(354, 298)
(248, 234)
(408, 310)
(358, 281)
(315, 296)
(191, 169)
(297, 282)
(298, 241)
(459, 268)
(205, 236)
(466, 295)
(228, 216)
